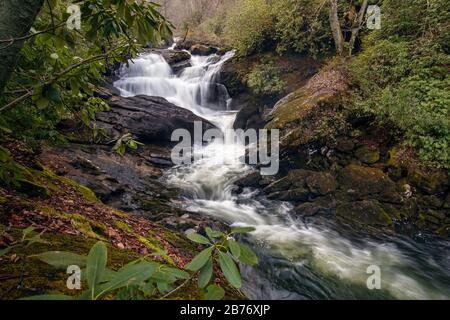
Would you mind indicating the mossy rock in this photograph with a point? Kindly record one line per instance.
(368, 155)
(444, 231)
(123, 226)
(430, 183)
(49, 177)
(368, 183)
(32, 189)
(321, 183)
(84, 225)
(41, 278)
(364, 213)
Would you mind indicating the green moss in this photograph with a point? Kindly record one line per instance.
(123, 226)
(32, 189)
(3, 200)
(40, 278)
(88, 227)
(50, 177)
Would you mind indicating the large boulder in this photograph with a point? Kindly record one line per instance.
(202, 50)
(150, 119)
(364, 213)
(171, 56)
(249, 117)
(300, 185)
(360, 183)
(177, 59)
(299, 115)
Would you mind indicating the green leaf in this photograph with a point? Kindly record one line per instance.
(96, 264)
(61, 260)
(42, 102)
(177, 273)
(247, 255)
(206, 273)
(163, 287)
(198, 238)
(200, 260)
(148, 288)
(214, 292)
(5, 251)
(212, 234)
(234, 248)
(230, 270)
(242, 230)
(50, 297)
(134, 274)
(26, 232)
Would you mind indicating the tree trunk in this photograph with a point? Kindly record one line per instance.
(355, 29)
(16, 19)
(336, 27)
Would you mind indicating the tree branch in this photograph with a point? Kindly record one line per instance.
(29, 93)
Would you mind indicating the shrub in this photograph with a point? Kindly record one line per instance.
(249, 25)
(265, 79)
(406, 84)
(301, 26)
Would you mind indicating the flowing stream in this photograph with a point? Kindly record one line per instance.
(298, 259)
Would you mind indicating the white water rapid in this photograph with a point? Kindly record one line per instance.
(298, 259)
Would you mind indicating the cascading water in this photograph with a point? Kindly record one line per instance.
(298, 259)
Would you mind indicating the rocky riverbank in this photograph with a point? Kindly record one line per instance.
(345, 167)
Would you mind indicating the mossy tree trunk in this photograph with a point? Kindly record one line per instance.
(16, 20)
(336, 27)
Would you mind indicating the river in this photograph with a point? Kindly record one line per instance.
(314, 259)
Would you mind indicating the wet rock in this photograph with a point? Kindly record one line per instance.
(178, 67)
(345, 145)
(365, 213)
(295, 195)
(298, 177)
(321, 183)
(277, 186)
(361, 182)
(430, 182)
(171, 56)
(86, 165)
(308, 209)
(368, 155)
(249, 117)
(250, 180)
(230, 76)
(202, 50)
(184, 45)
(150, 119)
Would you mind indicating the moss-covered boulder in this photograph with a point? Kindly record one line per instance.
(360, 183)
(294, 114)
(364, 213)
(32, 189)
(321, 183)
(437, 182)
(368, 155)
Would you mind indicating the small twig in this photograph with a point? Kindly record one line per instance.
(176, 289)
(51, 15)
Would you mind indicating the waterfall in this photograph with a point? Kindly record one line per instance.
(298, 260)
(195, 89)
